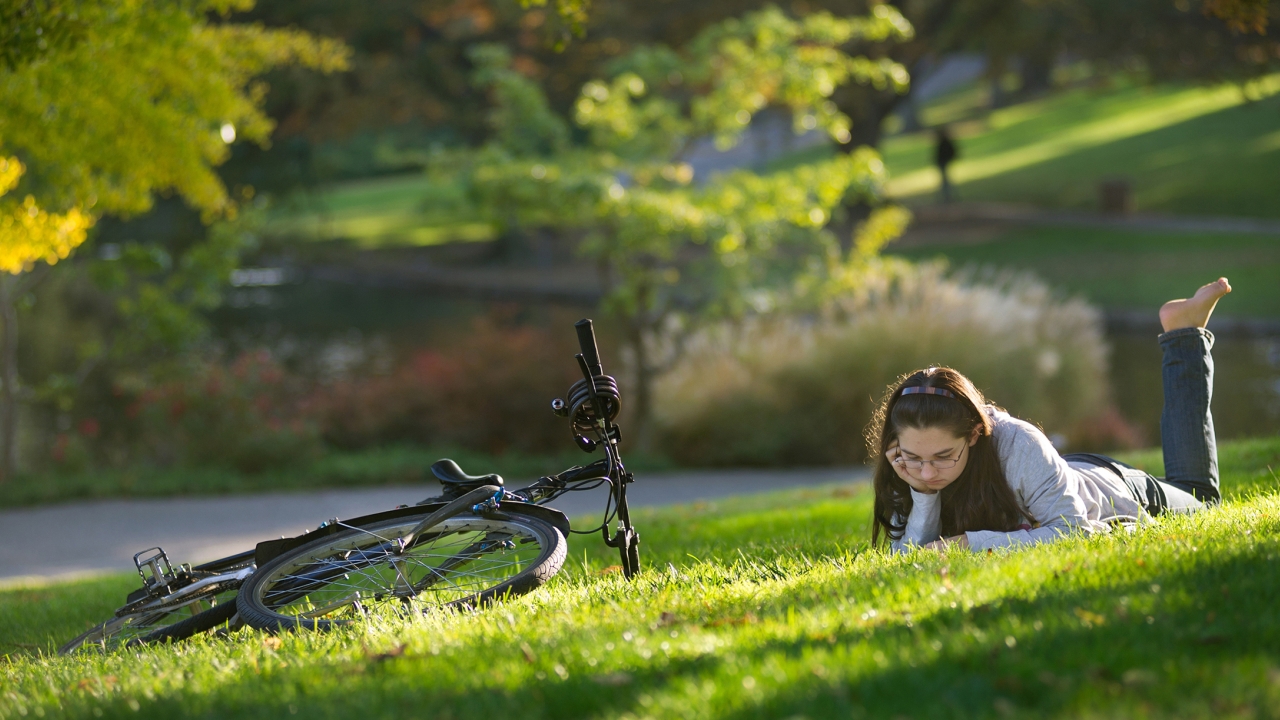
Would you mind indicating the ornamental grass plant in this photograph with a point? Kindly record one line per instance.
(788, 390)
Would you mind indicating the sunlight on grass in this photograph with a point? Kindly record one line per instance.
(1076, 138)
(402, 210)
(1128, 269)
(763, 606)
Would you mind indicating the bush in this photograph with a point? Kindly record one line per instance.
(489, 390)
(799, 391)
(247, 414)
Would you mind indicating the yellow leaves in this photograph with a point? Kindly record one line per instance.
(728, 244)
(29, 234)
(879, 229)
(10, 171)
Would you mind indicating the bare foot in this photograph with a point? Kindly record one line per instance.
(1195, 310)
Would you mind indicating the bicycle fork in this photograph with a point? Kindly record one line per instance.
(625, 538)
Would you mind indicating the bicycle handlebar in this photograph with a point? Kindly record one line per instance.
(587, 341)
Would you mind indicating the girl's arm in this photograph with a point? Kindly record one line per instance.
(1047, 488)
(922, 523)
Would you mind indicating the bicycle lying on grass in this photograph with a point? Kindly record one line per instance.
(475, 543)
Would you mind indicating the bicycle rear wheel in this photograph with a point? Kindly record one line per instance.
(461, 561)
(158, 623)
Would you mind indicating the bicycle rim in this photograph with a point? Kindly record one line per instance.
(150, 624)
(462, 561)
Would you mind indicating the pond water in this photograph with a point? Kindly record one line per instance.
(326, 329)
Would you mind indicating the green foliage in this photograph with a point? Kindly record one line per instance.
(161, 304)
(768, 606)
(522, 123)
(733, 70)
(726, 245)
(800, 391)
(147, 100)
(135, 98)
(32, 28)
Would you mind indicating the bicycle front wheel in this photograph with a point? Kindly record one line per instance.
(461, 561)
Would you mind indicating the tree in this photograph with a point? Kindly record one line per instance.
(130, 98)
(1242, 16)
(675, 250)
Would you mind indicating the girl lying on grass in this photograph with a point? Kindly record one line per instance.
(957, 471)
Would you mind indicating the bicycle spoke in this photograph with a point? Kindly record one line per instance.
(447, 563)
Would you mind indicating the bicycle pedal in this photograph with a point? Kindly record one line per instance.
(156, 571)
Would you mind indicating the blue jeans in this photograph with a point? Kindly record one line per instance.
(1186, 430)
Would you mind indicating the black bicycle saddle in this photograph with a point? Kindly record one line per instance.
(448, 472)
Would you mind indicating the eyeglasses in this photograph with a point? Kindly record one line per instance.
(945, 464)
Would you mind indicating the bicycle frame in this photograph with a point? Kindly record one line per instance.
(532, 499)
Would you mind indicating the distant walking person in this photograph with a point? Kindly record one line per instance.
(943, 154)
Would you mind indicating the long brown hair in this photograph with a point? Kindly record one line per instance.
(980, 498)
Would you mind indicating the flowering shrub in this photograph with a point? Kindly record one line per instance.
(247, 414)
(487, 390)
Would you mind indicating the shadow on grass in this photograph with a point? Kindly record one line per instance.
(1199, 637)
(1211, 650)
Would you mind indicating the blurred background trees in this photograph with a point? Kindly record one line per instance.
(673, 250)
(119, 102)
(723, 179)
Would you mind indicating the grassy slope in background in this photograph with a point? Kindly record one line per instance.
(1130, 269)
(756, 607)
(1187, 151)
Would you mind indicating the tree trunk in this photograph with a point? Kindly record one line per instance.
(9, 377)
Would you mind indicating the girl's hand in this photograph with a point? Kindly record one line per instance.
(956, 541)
(894, 455)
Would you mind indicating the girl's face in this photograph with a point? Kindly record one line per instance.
(934, 449)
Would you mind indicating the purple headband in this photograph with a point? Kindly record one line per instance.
(921, 390)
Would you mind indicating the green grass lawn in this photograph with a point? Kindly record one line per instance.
(1187, 151)
(768, 606)
(398, 210)
(1130, 269)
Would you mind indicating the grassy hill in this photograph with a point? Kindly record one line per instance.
(397, 210)
(768, 606)
(1186, 151)
(1123, 268)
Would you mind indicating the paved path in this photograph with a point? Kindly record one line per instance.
(89, 538)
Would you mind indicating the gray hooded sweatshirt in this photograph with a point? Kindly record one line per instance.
(1063, 497)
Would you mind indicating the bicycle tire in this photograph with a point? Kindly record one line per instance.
(221, 614)
(322, 584)
(156, 624)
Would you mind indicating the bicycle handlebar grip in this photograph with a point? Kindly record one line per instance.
(587, 341)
